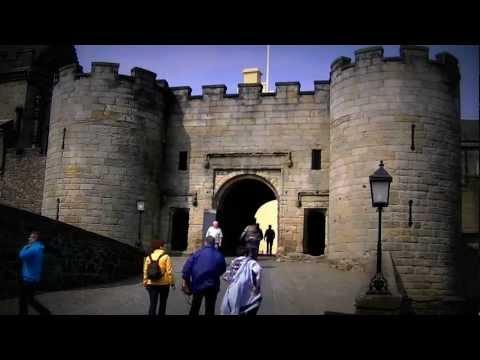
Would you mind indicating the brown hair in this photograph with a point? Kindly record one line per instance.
(157, 244)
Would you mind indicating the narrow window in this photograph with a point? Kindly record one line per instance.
(63, 138)
(316, 159)
(182, 164)
(477, 161)
(410, 220)
(18, 122)
(412, 146)
(466, 163)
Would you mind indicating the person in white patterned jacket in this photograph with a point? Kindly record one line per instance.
(243, 295)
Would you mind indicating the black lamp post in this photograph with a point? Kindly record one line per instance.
(380, 191)
(141, 209)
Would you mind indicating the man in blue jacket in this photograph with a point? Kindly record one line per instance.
(201, 276)
(31, 257)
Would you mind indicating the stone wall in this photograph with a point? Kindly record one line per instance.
(21, 184)
(12, 95)
(470, 177)
(374, 104)
(471, 207)
(112, 142)
(73, 257)
(105, 150)
(269, 135)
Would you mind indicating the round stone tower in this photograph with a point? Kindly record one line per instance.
(404, 111)
(105, 151)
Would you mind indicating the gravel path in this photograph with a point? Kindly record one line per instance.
(288, 288)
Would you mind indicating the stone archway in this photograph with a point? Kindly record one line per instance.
(236, 202)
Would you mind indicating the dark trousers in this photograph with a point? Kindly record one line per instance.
(269, 247)
(253, 250)
(27, 292)
(210, 300)
(155, 292)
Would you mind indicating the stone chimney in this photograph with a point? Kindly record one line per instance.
(252, 76)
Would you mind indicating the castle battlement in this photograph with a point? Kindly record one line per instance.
(109, 71)
(409, 54)
(143, 78)
(249, 91)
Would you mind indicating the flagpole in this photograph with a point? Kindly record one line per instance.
(268, 65)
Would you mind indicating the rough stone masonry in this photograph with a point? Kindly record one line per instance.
(114, 139)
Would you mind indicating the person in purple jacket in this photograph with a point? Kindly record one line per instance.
(31, 257)
(201, 276)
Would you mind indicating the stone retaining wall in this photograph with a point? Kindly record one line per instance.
(73, 258)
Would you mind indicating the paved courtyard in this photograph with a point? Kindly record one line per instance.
(289, 288)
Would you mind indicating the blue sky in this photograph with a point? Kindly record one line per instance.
(197, 65)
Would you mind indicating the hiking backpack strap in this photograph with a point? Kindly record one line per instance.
(158, 262)
(151, 260)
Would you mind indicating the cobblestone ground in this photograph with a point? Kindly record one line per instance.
(288, 288)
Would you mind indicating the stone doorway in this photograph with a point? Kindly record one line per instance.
(179, 228)
(314, 232)
(237, 202)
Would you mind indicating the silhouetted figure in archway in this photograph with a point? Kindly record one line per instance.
(269, 237)
(251, 236)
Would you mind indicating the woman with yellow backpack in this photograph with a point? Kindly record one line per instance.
(158, 277)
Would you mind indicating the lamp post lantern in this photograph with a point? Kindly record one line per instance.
(380, 192)
(141, 209)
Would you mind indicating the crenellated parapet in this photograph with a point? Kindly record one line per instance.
(249, 91)
(109, 72)
(372, 59)
(214, 92)
(380, 79)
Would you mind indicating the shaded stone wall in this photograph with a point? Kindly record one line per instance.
(105, 150)
(248, 133)
(374, 103)
(470, 177)
(21, 184)
(73, 257)
(12, 95)
(26, 74)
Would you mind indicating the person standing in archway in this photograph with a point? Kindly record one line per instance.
(269, 237)
(216, 232)
(251, 236)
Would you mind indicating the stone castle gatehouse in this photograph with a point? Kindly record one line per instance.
(98, 142)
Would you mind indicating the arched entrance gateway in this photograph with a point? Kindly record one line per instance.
(237, 202)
